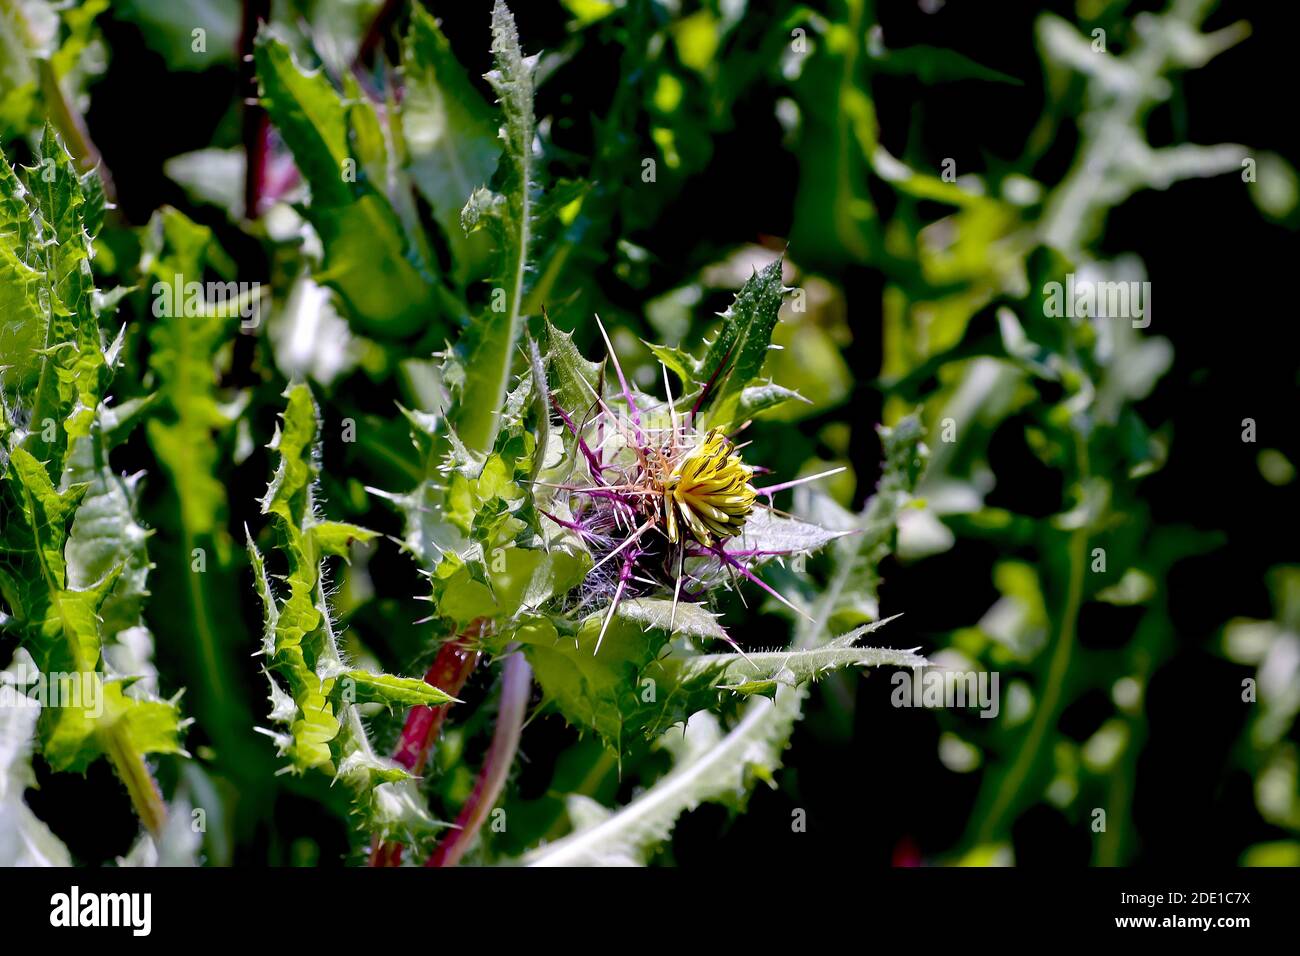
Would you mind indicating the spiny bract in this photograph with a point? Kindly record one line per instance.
(657, 500)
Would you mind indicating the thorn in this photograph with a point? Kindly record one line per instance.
(613, 606)
(677, 590)
(732, 562)
(631, 539)
(770, 489)
(622, 381)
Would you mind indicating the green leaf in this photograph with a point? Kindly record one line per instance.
(598, 691)
(106, 536)
(57, 190)
(73, 564)
(394, 691)
(761, 398)
(317, 722)
(768, 531)
(499, 582)
(850, 597)
(677, 360)
(18, 227)
(24, 839)
(473, 525)
(710, 765)
(370, 260)
(637, 687)
(73, 372)
(168, 26)
(691, 620)
(191, 431)
(762, 673)
(488, 345)
(22, 319)
(736, 356)
(336, 537)
(572, 381)
(26, 32)
(931, 65)
(449, 130)
(183, 357)
(96, 202)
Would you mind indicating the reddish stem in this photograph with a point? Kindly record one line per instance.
(374, 36)
(256, 127)
(516, 685)
(708, 386)
(450, 669)
(593, 464)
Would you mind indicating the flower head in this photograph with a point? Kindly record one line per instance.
(710, 488)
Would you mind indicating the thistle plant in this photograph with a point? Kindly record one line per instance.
(74, 561)
(586, 536)
(512, 542)
(594, 539)
(661, 503)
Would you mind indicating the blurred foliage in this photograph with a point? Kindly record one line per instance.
(678, 146)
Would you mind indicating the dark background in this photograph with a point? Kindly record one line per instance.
(1224, 278)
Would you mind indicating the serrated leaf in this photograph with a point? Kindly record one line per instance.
(689, 619)
(73, 564)
(60, 202)
(736, 356)
(601, 691)
(336, 537)
(571, 378)
(325, 731)
(852, 594)
(632, 689)
(767, 533)
(677, 360)
(479, 533)
(73, 371)
(106, 536)
(191, 432)
(763, 672)
(393, 691)
(22, 317)
(710, 766)
(488, 345)
(16, 224)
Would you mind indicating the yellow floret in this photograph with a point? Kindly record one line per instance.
(711, 491)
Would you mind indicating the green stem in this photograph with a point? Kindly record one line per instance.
(1117, 801)
(1057, 669)
(1027, 756)
(134, 772)
(207, 640)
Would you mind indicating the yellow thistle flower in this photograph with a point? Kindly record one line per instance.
(710, 489)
